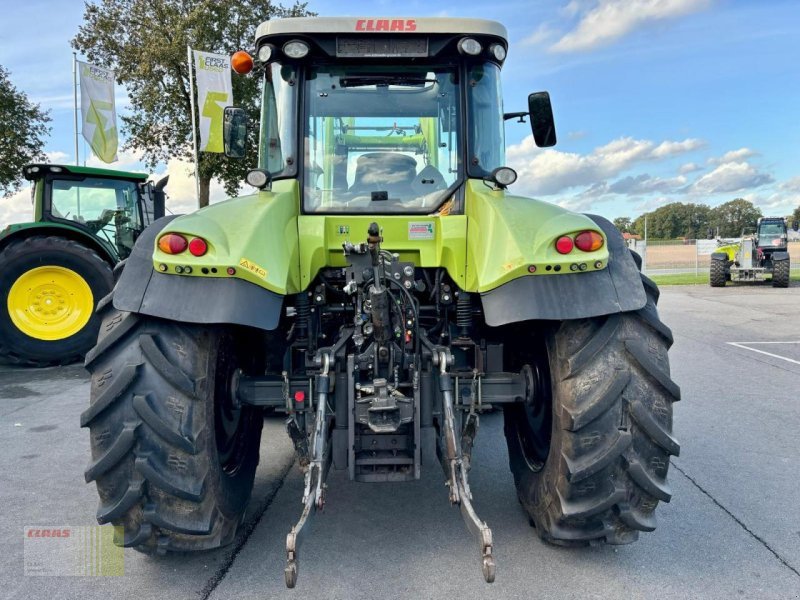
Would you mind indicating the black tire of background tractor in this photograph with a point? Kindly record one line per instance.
(21, 256)
(611, 435)
(165, 469)
(718, 273)
(780, 273)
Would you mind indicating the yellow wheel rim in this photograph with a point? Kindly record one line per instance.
(50, 303)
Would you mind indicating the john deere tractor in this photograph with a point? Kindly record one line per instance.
(383, 288)
(55, 270)
(755, 255)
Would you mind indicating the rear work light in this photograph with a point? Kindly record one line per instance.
(172, 243)
(589, 241)
(198, 246)
(564, 244)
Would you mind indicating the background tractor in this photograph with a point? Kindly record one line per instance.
(764, 252)
(55, 270)
(383, 288)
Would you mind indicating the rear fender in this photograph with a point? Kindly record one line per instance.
(617, 288)
(204, 300)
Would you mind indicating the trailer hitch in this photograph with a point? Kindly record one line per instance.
(457, 468)
(316, 470)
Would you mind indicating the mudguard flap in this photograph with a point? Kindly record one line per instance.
(719, 256)
(617, 288)
(207, 300)
(780, 256)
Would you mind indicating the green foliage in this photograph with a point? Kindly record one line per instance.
(23, 128)
(623, 224)
(734, 216)
(675, 220)
(145, 43)
(693, 221)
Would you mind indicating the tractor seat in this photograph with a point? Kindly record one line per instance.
(384, 172)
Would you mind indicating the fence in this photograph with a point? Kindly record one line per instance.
(687, 256)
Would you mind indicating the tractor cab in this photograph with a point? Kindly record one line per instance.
(771, 235)
(113, 207)
(385, 116)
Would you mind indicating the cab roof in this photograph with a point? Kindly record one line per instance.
(36, 171)
(380, 25)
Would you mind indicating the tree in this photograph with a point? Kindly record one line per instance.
(23, 128)
(734, 216)
(145, 42)
(675, 220)
(795, 216)
(623, 224)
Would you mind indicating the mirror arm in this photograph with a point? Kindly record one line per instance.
(520, 116)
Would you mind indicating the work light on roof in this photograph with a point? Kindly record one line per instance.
(498, 52)
(295, 49)
(265, 53)
(469, 46)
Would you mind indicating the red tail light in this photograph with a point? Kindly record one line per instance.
(564, 244)
(589, 241)
(172, 243)
(198, 247)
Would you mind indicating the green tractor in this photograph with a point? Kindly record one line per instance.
(55, 270)
(381, 287)
(764, 252)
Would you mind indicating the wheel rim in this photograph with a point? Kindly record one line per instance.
(50, 303)
(535, 421)
(231, 422)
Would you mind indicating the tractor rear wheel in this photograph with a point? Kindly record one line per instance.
(717, 274)
(173, 457)
(780, 273)
(51, 286)
(591, 450)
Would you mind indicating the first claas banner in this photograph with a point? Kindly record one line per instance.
(214, 93)
(97, 111)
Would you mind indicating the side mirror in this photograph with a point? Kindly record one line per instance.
(542, 123)
(159, 198)
(234, 131)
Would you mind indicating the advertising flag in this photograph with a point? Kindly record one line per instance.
(97, 111)
(214, 93)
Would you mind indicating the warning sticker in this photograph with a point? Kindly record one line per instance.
(420, 230)
(253, 268)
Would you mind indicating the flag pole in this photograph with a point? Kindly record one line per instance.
(194, 123)
(75, 101)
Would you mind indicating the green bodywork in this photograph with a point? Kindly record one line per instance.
(731, 250)
(268, 242)
(42, 225)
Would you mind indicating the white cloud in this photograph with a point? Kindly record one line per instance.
(543, 34)
(609, 20)
(733, 156)
(669, 148)
(16, 208)
(730, 177)
(551, 171)
(791, 185)
(689, 167)
(646, 184)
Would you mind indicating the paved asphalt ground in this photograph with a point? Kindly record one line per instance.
(731, 531)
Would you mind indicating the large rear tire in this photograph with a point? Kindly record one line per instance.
(173, 458)
(50, 288)
(780, 273)
(717, 274)
(590, 455)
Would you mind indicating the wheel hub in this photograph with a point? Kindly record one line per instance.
(50, 303)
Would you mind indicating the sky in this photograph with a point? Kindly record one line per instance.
(655, 101)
